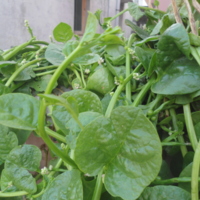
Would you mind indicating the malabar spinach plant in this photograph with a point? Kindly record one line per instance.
(125, 124)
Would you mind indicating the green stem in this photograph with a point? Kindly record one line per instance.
(82, 77)
(98, 187)
(39, 42)
(195, 174)
(45, 73)
(116, 94)
(17, 49)
(41, 131)
(42, 112)
(118, 14)
(78, 76)
(55, 135)
(180, 137)
(128, 71)
(13, 194)
(119, 90)
(143, 92)
(190, 126)
(7, 51)
(20, 69)
(153, 9)
(57, 166)
(46, 67)
(173, 181)
(175, 144)
(60, 69)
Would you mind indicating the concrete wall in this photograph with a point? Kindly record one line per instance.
(43, 16)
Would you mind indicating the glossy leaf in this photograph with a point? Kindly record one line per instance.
(8, 141)
(162, 25)
(111, 39)
(144, 56)
(41, 84)
(5, 181)
(127, 144)
(181, 77)
(19, 161)
(139, 31)
(22, 135)
(115, 50)
(164, 193)
(62, 32)
(25, 156)
(21, 178)
(69, 47)
(101, 81)
(90, 29)
(19, 111)
(135, 11)
(6, 63)
(186, 172)
(73, 128)
(4, 89)
(87, 59)
(86, 100)
(54, 54)
(173, 44)
(66, 186)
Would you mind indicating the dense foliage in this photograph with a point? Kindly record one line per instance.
(119, 115)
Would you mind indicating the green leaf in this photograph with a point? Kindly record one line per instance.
(127, 144)
(7, 181)
(139, 31)
(6, 63)
(60, 117)
(186, 172)
(144, 56)
(135, 11)
(73, 128)
(87, 59)
(25, 156)
(66, 186)
(173, 44)
(19, 161)
(62, 32)
(181, 77)
(90, 29)
(54, 53)
(111, 39)
(116, 71)
(164, 193)
(40, 84)
(162, 25)
(69, 47)
(194, 39)
(115, 50)
(101, 81)
(19, 111)
(8, 141)
(86, 100)
(20, 178)
(4, 89)
(71, 107)
(22, 135)
(88, 188)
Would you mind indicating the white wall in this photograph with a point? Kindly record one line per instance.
(43, 16)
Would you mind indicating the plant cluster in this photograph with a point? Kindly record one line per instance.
(119, 115)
